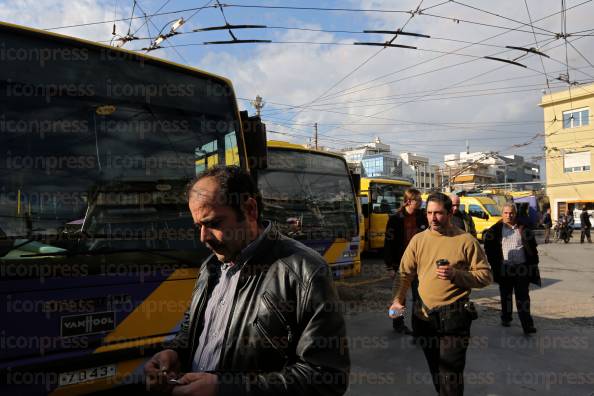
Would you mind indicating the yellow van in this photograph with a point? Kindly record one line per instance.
(484, 211)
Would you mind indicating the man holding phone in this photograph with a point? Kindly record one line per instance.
(264, 317)
(448, 263)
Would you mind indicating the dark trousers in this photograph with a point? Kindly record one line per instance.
(547, 234)
(446, 358)
(585, 234)
(398, 322)
(517, 285)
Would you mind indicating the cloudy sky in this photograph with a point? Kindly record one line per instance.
(429, 100)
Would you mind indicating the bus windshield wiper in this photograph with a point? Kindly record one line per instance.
(98, 252)
(22, 241)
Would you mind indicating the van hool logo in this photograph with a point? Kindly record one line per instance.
(87, 324)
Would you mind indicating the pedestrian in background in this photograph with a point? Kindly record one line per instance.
(547, 222)
(461, 219)
(401, 227)
(586, 225)
(511, 249)
(448, 263)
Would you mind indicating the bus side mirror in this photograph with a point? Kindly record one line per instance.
(356, 178)
(254, 137)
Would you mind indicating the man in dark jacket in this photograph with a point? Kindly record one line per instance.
(264, 318)
(511, 250)
(461, 219)
(547, 222)
(401, 227)
(586, 225)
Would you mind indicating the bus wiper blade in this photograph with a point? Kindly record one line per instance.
(98, 252)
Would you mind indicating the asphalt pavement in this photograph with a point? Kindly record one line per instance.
(557, 360)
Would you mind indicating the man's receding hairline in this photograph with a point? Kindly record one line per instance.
(195, 193)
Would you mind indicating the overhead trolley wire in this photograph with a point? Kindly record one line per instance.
(125, 19)
(412, 14)
(460, 49)
(295, 8)
(503, 17)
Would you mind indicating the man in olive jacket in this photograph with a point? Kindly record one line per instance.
(264, 318)
(512, 253)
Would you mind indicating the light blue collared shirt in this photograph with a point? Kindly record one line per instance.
(218, 309)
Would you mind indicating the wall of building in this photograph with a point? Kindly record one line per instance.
(564, 138)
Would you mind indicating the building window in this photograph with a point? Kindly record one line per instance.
(576, 162)
(576, 118)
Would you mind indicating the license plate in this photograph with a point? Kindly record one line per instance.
(76, 377)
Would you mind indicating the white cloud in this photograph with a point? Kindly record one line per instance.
(47, 14)
(297, 74)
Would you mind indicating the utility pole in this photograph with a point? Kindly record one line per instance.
(258, 104)
(316, 135)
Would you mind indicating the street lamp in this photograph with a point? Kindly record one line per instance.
(258, 104)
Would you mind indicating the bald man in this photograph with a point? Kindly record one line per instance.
(461, 219)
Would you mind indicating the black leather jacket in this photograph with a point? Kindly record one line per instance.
(286, 334)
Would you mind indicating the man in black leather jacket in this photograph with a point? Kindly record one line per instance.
(264, 318)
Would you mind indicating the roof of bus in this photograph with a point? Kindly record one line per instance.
(366, 181)
(483, 200)
(19, 29)
(294, 146)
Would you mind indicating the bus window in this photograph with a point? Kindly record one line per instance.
(386, 198)
(209, 154)
(324, 201)
(316, 189)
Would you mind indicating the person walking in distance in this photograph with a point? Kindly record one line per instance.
(448, 263)
(401, 227)
(512, 251)
(586, 225)
(547, 222)
(461, 219)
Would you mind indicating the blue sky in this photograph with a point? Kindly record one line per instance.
(429, 101)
